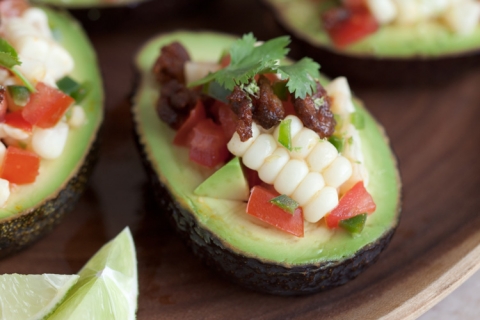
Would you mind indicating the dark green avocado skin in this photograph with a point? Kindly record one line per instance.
(24, 228)
(253, 273)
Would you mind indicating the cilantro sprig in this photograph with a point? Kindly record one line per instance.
(9, 59)
(249, 59)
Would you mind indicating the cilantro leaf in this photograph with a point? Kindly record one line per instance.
(248, 59)
(9, 59)
(300, 77)
(8, 55)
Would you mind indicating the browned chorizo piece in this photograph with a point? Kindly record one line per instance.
(269, 109)
(175, 103)
(170, 64)
(242, 106)
(315, 113)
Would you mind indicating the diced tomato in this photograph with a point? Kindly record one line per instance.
(356, 201)
(46, 106)
(20, 166)
(346, 26)
(288, 106)
(271, 76)
(184, 133)
(227, 119)
(15, 119)
(208, 146)
(260, 207)
(13, 8)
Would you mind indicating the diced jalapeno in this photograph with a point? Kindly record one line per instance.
(19, 94)
(74, 89)
(284, 134)
(355, 224)
(285, 203)
(337, 142)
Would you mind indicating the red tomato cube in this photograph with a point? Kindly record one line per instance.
(260, 207)
(356, 201)
(46, 106)
(346, 26)
(20, 166)
(208, 146)
(15, 119)
(184, 133)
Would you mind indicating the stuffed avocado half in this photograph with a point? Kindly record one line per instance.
(410, 39)
(34, 207)
(245, 249)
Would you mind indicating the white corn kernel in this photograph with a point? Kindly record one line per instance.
(33, 70)
(463, 18)
(339, 86)
(33, 47)
(338, 172)
(77, 118)
(321, 156)
(341, 104)
(290, 176)
(195, 70)
(38, 18)
(4, 191)
(273, 165)
(59, 62)
(239, 147)
(295, 126)
(384, 11)
(309, 186)
(15, 133)
(303, 143)
(261, 148)
(408, 11)
(322, 203)
(49, 143)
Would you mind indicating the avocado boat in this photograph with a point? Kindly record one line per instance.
(33, 209)
(220, 232)
(426, 52)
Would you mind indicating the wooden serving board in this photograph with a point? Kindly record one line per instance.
(434, 131)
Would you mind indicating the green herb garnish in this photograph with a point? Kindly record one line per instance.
(355, 224)
(248, 60)
(284, 134)
(280, 90)
(9, 60)
(285, 203)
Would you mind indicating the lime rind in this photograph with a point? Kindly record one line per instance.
(32, 297)
(108, 284)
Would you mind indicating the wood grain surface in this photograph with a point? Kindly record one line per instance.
(435, 132)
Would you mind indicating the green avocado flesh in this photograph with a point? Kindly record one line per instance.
(429, 39)
(227, 219)
(88, 3)
(228, 182)
(55, 174)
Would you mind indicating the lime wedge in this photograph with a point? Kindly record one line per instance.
(32, 296)
(108, 284)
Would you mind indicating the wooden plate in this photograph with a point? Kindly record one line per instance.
(434, 132)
